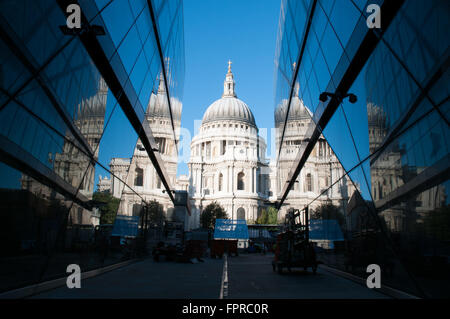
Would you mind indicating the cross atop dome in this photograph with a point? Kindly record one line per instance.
(228, 85)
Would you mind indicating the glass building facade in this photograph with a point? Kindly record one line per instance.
(71, 101)
(392, 142)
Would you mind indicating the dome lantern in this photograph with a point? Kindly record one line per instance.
(228, 84)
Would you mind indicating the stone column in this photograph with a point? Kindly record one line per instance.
(199, 181)
(232, 179)
(194, 178)
(252, 188)
(255, 186)
(228, 180)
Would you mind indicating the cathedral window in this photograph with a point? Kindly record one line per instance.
(139, 177)
(208, 149)
(320, 149)
(224, 146)
(161, 144)
(158, 182)
(240, 181)
(240, 213)
(137, 209)
(309, 183)
(260, 181)
(220, 182)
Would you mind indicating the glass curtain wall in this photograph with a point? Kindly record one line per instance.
(381, 195)
(71, 156)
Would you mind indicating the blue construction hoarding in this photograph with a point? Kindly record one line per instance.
(125, 226)
(325, 229)
(231, 229)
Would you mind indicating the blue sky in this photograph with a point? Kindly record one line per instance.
(241, 31)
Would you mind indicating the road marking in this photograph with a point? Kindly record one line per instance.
(224, 285)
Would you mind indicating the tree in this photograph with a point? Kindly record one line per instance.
(268, 215)
(156, 215)
(273, 215)
(263, 218)
(108, 206)
(210, 213)
(328, 211)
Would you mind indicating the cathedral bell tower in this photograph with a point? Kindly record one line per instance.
(228, 84)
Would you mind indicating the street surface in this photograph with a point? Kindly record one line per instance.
(249, 276)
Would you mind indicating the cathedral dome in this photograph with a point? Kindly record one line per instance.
(158, 105)
(95, 105)
(297, 111)
(229, 107)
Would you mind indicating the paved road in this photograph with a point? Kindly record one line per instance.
(249, 276)
(148, 279)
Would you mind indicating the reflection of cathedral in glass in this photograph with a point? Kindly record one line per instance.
(89, 121)
(388, 172)
(404, 180)
(321, 170)
(73, 165)
(139, 171)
